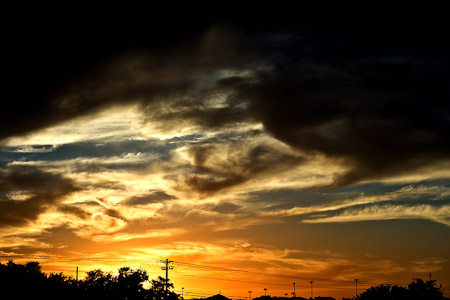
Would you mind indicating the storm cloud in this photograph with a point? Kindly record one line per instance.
(375, 101)
(72, 75)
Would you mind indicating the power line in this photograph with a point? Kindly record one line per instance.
(235, 280)
(59, 258)
(147, 262)
(265, 283)
(208, 294)
(197, 293)
(261, 273)
(360, 282)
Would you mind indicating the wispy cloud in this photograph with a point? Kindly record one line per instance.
(420, 201)
(124, 236)
(386, 212)
(430, 264)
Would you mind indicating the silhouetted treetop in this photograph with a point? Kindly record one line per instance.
(418, 290)
(29, 282)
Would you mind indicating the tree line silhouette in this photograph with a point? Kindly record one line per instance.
(417, 290)
(27, 281)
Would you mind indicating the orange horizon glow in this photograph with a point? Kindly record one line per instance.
(253, 159)
(111, 221)
(201, 281)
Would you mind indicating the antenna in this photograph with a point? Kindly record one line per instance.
(311, 288)
(356, 286)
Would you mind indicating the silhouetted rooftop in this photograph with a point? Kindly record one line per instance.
(282, 298)
(218, 297)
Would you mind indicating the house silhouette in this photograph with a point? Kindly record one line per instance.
(218, 297)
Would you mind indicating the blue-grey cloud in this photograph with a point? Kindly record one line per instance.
(315, 204)
(88, 149)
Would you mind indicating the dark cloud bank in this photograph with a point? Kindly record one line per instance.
(376, 100)
(41, 191)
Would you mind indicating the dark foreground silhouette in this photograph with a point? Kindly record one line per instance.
(418, 290)
(29, 282)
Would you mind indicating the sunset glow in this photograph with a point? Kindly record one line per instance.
(251, 158)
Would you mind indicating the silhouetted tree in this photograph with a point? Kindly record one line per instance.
(418, 290)
(14, 276)
(384, 292)
(97, 284)
(157, 290)
(424, 290)
(129, 284)
(60, 286)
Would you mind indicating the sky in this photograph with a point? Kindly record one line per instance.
(253, 156)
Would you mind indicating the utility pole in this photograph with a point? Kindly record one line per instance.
(356, 286)
(182, 293)
(311, 288)
(249, 295)
(76, 276)
(265, 292)
(166, 267)
(294, 290)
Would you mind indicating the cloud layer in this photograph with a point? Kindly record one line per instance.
(241, 144)
(375, 102)
(27, 192)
